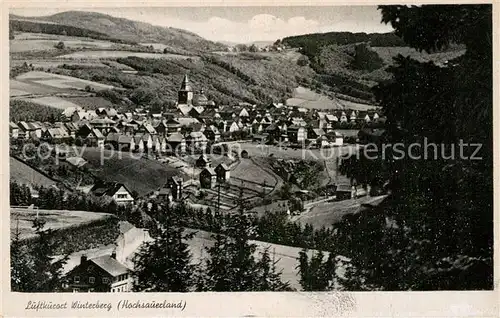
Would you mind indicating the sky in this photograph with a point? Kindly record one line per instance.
(247, 24)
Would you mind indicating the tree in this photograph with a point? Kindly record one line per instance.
(231, 265)
(269, 278)
(241, 47)
(165, 264)
(60, 45)
(143, 96)
(253, 48)
(47, 269)
(435, 230)
(21, 273)
(11, 34)
(303, 60)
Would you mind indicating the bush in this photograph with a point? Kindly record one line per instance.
(60, 45)
(303, 61)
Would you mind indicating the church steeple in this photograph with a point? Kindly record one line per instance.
(185, 86)
(185, 94)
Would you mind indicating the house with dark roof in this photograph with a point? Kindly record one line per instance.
(212, 133)
(13, 130)
(203, 161)
(175, 184)
(100, 274)
(30, 128)
(208, 178)
(223, 173)
(116, 191)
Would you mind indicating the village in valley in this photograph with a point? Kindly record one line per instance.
(114, 142)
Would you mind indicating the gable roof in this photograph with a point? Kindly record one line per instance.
(211, 171)
(110, 265)
(175, 137)
(223, 166)
(109, 189)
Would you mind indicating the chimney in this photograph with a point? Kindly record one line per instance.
(83, 259)
(113, 254)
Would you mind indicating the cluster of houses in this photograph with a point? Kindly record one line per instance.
(195, 122)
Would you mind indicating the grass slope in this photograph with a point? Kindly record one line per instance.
(23, 173)
(129, 30)
(141, 175)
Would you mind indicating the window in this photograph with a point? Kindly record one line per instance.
(105, 280)
(76, 290)
(77, 279)
(121, 196)
(91, 280)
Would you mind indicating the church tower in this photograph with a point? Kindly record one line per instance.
(185, 94)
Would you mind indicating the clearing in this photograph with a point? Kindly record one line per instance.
(59, 83)
(328, 213)
(56, 219)
(307, 98)
(52, 101)
(259, 150)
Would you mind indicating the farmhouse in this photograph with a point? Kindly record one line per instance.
(345, 191)
(117, 191)
(175, 184)
(335, 138)
(176, 142)
(30, 128)
(212, 133)
(101, 274)
(223, 173)
(13, 130)
(202, 161)
(208, 178)
(197, 140)
(296, 133)
(165, 194)
(54, 135)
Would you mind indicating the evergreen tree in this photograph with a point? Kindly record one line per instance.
(269, 278)
(47, 269)
(435, 229)
(315, 275)
(165, 264)
(231, 265)
(21, 273)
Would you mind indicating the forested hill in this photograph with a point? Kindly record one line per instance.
(312, 43)
(98, 24)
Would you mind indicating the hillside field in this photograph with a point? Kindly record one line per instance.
(141, 175)
(56, 219)
(92, 55)
(328, 213)
(307, 98)
(22, 173)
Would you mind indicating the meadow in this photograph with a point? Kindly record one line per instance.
(120, 54)
(25, 174)
(141, 175)
(56, 219)
(60, 83)
(307, 98)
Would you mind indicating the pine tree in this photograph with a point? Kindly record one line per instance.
(269, 278)
(48, 270)
(231, 265)
(315, 275)
(21, 273)
(165, 264)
